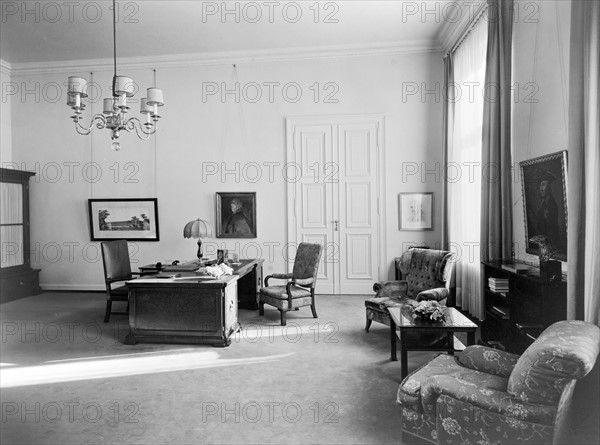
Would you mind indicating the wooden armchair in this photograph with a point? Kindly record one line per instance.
(299, 291)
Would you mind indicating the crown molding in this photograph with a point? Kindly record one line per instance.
(223, 58)
(452, 31)
(5, 67)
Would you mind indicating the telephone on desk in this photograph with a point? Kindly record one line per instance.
(187, 267)
(159, 265)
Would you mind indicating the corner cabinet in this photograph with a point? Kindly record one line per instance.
(519, 306)
(17, 278)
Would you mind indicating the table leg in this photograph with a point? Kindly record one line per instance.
(470, 338)
(393, 340)
(403, 359)
(450, 341)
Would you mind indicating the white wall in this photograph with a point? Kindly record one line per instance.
(198, 134)
(541, 77)
(5, 116)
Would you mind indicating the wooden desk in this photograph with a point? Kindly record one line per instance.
(187, 307)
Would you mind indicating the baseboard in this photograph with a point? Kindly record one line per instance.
(72, 287)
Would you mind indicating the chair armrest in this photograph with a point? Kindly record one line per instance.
(278, 276)
(488, 360)
(437, 294)
(288, 287)
(389, 288)
(304, 281)
(480, 398)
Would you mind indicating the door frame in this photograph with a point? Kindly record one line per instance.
(335, 120)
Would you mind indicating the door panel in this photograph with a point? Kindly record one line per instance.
(359, 266)
(334, 200)
(312, 196)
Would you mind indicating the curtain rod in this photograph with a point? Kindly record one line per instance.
(469, 28)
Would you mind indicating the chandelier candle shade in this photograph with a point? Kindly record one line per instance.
(115, 108)
(198, 228)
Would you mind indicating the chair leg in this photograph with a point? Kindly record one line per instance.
(108, 310)
(368, 325)
(282, 317)
(261, 308)
(314, 310)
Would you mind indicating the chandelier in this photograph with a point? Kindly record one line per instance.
(114, 115)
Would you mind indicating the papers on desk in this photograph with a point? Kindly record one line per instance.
(219, 270)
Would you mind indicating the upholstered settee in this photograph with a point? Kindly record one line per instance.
(488, 396)
(424, 275)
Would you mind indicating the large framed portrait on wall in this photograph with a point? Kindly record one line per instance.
(544, 181)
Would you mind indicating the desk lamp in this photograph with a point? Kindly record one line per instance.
(197, 228)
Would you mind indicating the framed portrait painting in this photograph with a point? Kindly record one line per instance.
(544, 182)
(236, 215)
(134, 219)
(415, 211)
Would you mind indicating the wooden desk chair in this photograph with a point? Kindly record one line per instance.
(117, 268)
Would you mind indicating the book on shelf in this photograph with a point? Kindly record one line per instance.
(516, 267)
(503, 311)
(499, 289)
(498, 284)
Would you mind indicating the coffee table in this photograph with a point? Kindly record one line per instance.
(403, 323)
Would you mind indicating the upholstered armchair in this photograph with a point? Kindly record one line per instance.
(425, 275)
(299, 290)
(488, 396)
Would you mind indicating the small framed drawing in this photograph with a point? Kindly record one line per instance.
(131, 219)
(415, 211)
(544, 181)
(236, 215)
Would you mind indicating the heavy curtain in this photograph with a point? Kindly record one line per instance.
(496, 173)
(463, 178)
(583, 284)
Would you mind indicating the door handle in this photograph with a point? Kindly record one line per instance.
(336, 226)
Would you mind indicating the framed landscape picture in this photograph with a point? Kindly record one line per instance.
(132, 219)
(415, 211)
(544, 182)
(236, 215)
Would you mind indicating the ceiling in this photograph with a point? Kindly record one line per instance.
(38, 32)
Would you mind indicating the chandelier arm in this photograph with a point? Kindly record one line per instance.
(133, 123)
(98, 121)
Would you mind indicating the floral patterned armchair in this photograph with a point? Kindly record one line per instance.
(425, 275)
(488, 396)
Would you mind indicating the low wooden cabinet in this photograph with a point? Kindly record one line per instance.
(515, 317)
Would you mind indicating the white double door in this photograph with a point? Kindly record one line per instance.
(335, 186)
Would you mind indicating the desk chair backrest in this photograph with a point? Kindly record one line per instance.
(306, 263)
(115, 259)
